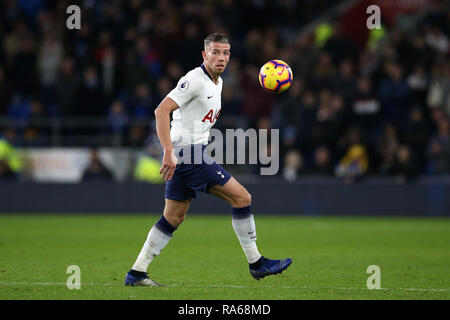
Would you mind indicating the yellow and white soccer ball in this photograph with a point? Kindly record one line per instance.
(275, 76)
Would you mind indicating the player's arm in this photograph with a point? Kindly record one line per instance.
(162, 115)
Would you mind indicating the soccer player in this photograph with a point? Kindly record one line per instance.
(196, 103)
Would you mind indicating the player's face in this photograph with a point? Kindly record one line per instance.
(217, 56)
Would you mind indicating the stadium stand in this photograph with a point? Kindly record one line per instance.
(383, 96)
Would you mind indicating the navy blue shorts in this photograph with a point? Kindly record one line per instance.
(189, 179)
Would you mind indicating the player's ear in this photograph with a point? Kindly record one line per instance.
(204, 55)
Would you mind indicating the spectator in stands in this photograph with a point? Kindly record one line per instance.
(341, 112)
(308, 109)
(322, 33)
(353, 154)
(174, 73)
(89, 96)
(289, 138)
(326, 124)
(324, 72)
(24, 65)
(439, 149)
(6, 92)
(136, 135)
(29, 118)
(416, 136)
(305, 56)
(345, 82)
(148, 57)
(133, 52)
(10, 162)
(439, 92)
(6, 173)
(287, 110)
(366, 108)
(96, 171)
(117, 118)
(436, 39)
(66, 88)
(293, 165)
(163, 87)
(109, 73)
(192, 37)
(12, 40)
(340, 46)
(232, 118)
(37, 120)
(416, 51)
(148, 165)
(31, 137)
(418, 84)
(394, 94)
(354, 164)
(50, 57)
(387, 148)
(142, 102)
(135, 72)
(322, 162)
(19, 111)
(255, 104)
(252, 46)
(404, 168)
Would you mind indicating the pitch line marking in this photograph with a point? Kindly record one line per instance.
(5, 283)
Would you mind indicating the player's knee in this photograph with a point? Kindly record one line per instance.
(243, 200)
(248, 199)
(181, 218)
(175, 218)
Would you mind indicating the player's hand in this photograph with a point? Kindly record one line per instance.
(168, 166)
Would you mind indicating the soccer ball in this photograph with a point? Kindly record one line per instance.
(275, 76)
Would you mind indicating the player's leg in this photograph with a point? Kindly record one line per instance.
(161, 233)
(244, 226)
(175, 211)
(157, 239)
(242, 219)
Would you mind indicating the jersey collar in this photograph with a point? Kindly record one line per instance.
(206, 72)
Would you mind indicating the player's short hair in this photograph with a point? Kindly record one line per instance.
(216, 37)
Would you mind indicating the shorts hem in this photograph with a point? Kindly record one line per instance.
(219, 183)
(178, 198)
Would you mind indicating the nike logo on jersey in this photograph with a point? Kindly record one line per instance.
(209, 97)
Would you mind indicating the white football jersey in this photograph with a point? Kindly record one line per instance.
(199, 101)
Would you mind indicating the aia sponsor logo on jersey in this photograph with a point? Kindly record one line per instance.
(211, 116)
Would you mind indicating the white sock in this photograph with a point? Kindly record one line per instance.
(156, 241)
(245, 230)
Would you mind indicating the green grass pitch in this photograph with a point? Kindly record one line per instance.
(204, 260)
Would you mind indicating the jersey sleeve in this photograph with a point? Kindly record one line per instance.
(186, 90)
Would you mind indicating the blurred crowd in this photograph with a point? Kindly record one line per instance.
(352, 111)
(374, 110)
